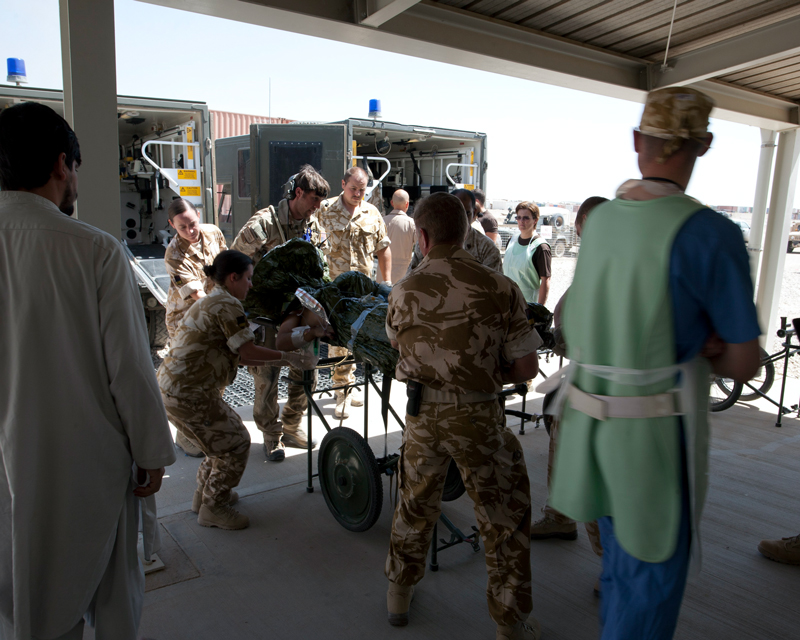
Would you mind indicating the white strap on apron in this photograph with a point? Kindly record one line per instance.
(686, 402)
(604, 407)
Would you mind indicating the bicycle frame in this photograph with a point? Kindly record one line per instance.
(789, 350)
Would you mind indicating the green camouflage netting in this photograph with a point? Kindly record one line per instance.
(296, 263)
(349, 297)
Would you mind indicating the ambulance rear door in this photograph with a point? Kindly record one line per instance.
(279, 150)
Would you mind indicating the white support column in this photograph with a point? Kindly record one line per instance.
(756, 245)
(777, 236)
(90, 106)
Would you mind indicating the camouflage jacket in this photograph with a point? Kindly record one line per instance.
(205, 349)
(477, 245)
(457, 323)
(268, 228)
(351, 240)
(185, 264)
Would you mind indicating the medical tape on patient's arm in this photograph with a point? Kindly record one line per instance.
(298, 337)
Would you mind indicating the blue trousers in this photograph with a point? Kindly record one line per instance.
(641, 600)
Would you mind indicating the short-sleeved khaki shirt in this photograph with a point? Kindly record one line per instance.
(185, 264)
(352, 241)
(457, 322)
(269, 228)
(205, 349)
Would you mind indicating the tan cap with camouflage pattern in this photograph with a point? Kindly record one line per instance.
(676, 114)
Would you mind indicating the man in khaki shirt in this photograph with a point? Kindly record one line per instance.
(268, 228)
(402, 232)
(461, 331)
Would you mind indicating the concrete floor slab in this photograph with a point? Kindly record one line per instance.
(296, 573)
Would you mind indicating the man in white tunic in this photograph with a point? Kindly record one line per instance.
(79, 402)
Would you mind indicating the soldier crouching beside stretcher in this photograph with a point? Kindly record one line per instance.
(211, 341)
(462, 332)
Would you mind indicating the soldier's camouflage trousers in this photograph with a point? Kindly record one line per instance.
(268, 419)
(344, 374)
(592, 530)
(212, 425)
(492, 465)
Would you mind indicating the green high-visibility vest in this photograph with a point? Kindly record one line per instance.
(619, 314)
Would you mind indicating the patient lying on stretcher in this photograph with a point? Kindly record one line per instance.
(302, 329)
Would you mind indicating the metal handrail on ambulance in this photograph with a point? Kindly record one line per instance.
(156, 167)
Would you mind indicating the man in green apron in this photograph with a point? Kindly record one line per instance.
(644, 328)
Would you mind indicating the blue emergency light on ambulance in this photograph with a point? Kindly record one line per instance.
(16, 71)
(374, 108)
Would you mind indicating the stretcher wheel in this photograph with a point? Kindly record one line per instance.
(350, 479)
(453, 484)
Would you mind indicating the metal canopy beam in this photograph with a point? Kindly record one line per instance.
(445, 34)
(741, 52)
(380, 11)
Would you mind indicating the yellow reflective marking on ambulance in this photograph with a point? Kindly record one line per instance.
(190, 138)
(190, 191)
(187, 174)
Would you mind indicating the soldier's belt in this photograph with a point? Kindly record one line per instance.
(600, 407)
(433, 395)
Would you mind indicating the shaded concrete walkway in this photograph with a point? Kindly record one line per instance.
(296, 573)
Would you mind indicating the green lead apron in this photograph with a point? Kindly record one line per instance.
(619, 331)
(518, 265)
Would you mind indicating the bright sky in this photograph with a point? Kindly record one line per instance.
(545, 143)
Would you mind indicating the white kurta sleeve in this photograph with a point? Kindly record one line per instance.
(131, 374)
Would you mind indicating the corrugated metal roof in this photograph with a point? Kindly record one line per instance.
(227, 124)
(640, 28)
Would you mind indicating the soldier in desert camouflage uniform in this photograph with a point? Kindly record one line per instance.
(355, 233)
(476, 244)
(268, 228)
(194, 246)
(207, 348)
(462, 332)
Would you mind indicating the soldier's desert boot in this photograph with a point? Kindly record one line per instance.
(274, 450)
(187, 446)
(296, 437)
(398, 601)
(341, 411)
(222, 516)
(786, 550)
(547, 527)
(528, 630)
(355, 398)
(197, 499)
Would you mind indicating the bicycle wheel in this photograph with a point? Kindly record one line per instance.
(724, 393)
(762, 380)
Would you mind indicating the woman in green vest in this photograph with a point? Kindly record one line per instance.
(527, 259)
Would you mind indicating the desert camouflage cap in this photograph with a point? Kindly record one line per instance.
(676, 112)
